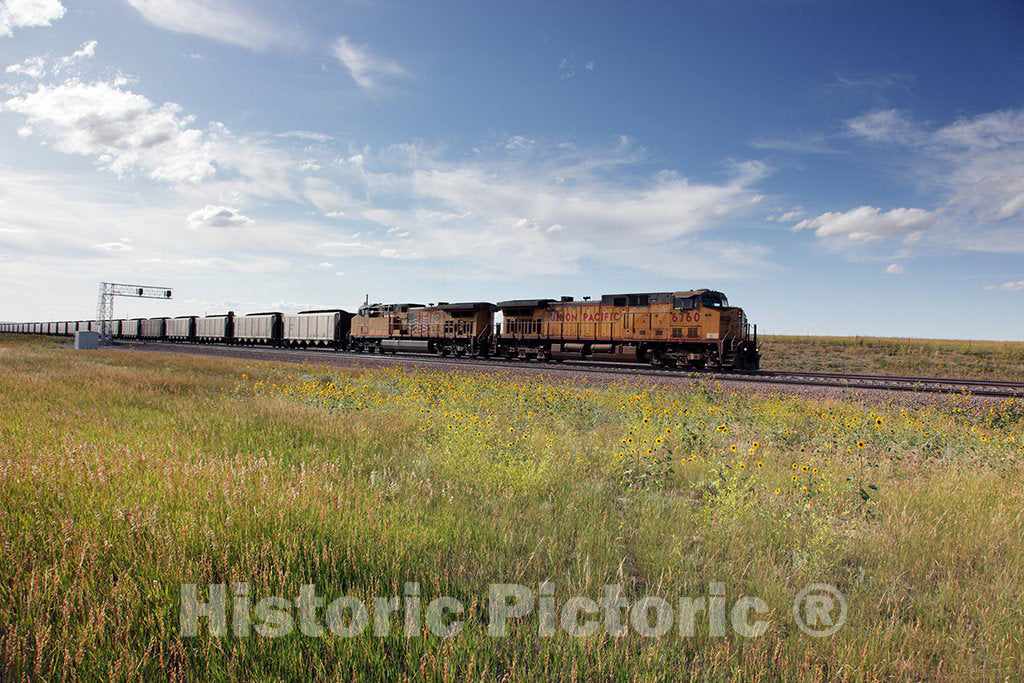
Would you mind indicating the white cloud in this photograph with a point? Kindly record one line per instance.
(552, 210)
(127, 133)
(87, 51)
(212, 216)
(570, 66)
(1007, 286)
(24, 132)
(787, 216)
(124, 130)
(867, 223)
(33, 67)
(366, 70)
(37, 67)
(28, 13)
(882, 125)
(312, 136)
(122, 244)
(218, 20)
(895, 269)
(976, 164)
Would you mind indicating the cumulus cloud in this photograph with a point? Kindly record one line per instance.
(367, 70)
(28, 13)
(1007, 287)
(218, 20)
(867, 223)
(212, 216)
(895, 269)
(124, 130)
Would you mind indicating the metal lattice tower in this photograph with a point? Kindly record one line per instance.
(108, 290)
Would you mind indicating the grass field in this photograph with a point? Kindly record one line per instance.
(879, 355)
(124, 476)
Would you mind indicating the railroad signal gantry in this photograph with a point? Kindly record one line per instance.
(108, 290)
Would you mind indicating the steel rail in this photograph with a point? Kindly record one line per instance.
(942, 385)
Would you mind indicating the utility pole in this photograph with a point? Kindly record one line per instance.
(108, 290)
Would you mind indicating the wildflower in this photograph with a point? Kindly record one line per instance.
(646, 420)
(804, 468)
(794, 466)
(760, 465)
(722, 428)
(814, 470)
(732, 448)
(756, 445)
(804, 489)
(878, 422)
(794, 478)
(743, 465)
(668, 430)
(778, 491)
(860, 444)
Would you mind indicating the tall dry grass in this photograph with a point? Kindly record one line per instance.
(123, 476)
(970, 359)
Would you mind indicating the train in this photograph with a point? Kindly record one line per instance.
(693, 329)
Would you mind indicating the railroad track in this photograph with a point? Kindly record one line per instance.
(940, 385)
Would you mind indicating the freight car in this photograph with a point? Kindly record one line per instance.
(181, 329)
(327, 328)
(459, 329)
(258, 329)
(132, 328)
(153, 328)
(217, 329)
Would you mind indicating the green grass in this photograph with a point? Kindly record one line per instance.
(894, 356)
(124, 475)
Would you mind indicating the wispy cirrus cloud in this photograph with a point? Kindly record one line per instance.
(1007, 287)
(220, 20)
(978, 160)
(28, 13)
(367, 70)
(973, 168)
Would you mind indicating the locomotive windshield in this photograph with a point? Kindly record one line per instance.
(708, 299)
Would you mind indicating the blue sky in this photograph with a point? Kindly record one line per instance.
(834, 167)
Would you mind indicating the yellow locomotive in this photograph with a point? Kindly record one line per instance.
(696, 328)
(458, 329)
